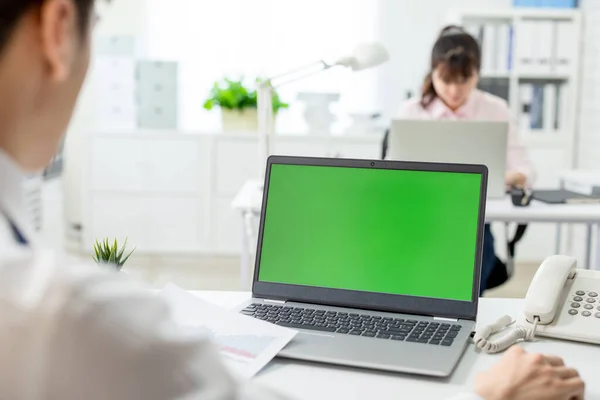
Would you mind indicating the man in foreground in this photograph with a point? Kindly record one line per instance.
(70, 331)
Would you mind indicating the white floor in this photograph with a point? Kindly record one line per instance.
(203, 273)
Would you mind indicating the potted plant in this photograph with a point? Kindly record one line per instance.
(238, 104)
(112, 256)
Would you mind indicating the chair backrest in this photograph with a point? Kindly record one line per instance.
(384, 144)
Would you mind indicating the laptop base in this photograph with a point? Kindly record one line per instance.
(376, 353)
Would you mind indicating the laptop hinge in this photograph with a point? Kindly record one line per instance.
(275, 301)
(445, 319)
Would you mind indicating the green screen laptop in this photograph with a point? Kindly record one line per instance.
(375, 263)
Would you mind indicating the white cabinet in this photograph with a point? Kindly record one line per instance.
(308, 146)
(226, 228)
(152, 223)
(359, 147)
(153, 188)
(171, 192)
(130, 163)
(236, 160)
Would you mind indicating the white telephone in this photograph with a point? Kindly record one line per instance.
(562, 302)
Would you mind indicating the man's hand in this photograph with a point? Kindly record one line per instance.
(522, 376)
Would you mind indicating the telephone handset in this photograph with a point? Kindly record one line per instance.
(543, 297)
(562, 302)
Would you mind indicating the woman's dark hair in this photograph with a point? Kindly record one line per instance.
(459, 55)
(11, 11)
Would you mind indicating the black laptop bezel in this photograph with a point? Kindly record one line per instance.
(367, 300)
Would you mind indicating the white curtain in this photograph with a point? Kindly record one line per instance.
(217, 38)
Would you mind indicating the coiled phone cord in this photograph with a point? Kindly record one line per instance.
(512, 337)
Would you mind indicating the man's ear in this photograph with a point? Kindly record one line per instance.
(59, 29)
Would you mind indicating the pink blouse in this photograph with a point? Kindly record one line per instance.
(479, 106)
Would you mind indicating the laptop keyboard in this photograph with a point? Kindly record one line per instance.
(356, 324)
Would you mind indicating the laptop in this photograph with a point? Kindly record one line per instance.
(562, 196)
(469, 142)
(375, 263)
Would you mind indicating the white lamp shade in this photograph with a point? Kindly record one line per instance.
(364, 56)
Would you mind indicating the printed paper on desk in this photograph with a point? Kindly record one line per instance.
(247, 345)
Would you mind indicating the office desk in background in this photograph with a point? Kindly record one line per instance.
(248, 203)
(302, 380)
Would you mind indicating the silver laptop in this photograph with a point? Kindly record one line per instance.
(375, 263)
(470, 142)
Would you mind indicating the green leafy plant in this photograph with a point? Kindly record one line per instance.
(234, 95)
(105, 254)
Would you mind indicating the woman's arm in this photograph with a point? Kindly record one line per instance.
(518, 165)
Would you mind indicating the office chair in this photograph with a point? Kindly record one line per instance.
(503, 270)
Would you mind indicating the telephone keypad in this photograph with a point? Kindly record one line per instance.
(588, 300)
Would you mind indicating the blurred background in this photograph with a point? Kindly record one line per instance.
(160, 146)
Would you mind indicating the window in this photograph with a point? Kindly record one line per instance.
(211, 39)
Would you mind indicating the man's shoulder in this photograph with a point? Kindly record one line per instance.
(33, 275)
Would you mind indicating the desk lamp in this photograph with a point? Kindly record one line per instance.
(364, 56)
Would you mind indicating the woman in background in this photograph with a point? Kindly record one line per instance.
(450, 92)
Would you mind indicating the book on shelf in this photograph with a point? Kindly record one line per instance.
(495, 40)
(543, 107)
(546, 3)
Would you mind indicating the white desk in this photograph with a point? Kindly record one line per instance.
(249, 201)
(319, 381)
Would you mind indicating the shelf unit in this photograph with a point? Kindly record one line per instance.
(568, 78)
(551, 150)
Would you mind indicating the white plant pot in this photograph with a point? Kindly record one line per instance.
(239, 121)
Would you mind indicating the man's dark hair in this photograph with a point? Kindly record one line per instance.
(11, 12)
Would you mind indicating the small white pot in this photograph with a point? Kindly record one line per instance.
(239, 121)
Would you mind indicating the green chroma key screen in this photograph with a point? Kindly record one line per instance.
(387, 231)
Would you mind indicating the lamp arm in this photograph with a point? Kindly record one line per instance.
(297, 74)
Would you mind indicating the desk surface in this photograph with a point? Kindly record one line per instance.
(316, 381)
(249, 199)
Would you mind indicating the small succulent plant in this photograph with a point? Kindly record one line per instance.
(105, 254)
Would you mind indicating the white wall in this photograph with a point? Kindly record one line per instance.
(409, 28)
(589, 123)
(123, 17)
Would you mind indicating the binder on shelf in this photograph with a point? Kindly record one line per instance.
(542, 41)
(488, 49)
(525, 3)
(525, 50)
(503, 48)
(475, 30)
(536, 111)
(546, 3)
(550, 105)
(511, 47)
(563, 103)
(525, 99)
(565, 50)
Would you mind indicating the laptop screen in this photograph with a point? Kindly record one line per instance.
(386, 231)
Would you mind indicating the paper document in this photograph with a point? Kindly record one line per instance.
(247, 345)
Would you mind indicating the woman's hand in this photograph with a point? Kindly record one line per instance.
(522, 376)
(516, 179)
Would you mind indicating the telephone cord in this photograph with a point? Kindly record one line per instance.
(506, 341)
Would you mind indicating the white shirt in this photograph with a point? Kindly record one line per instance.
(72, 332)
